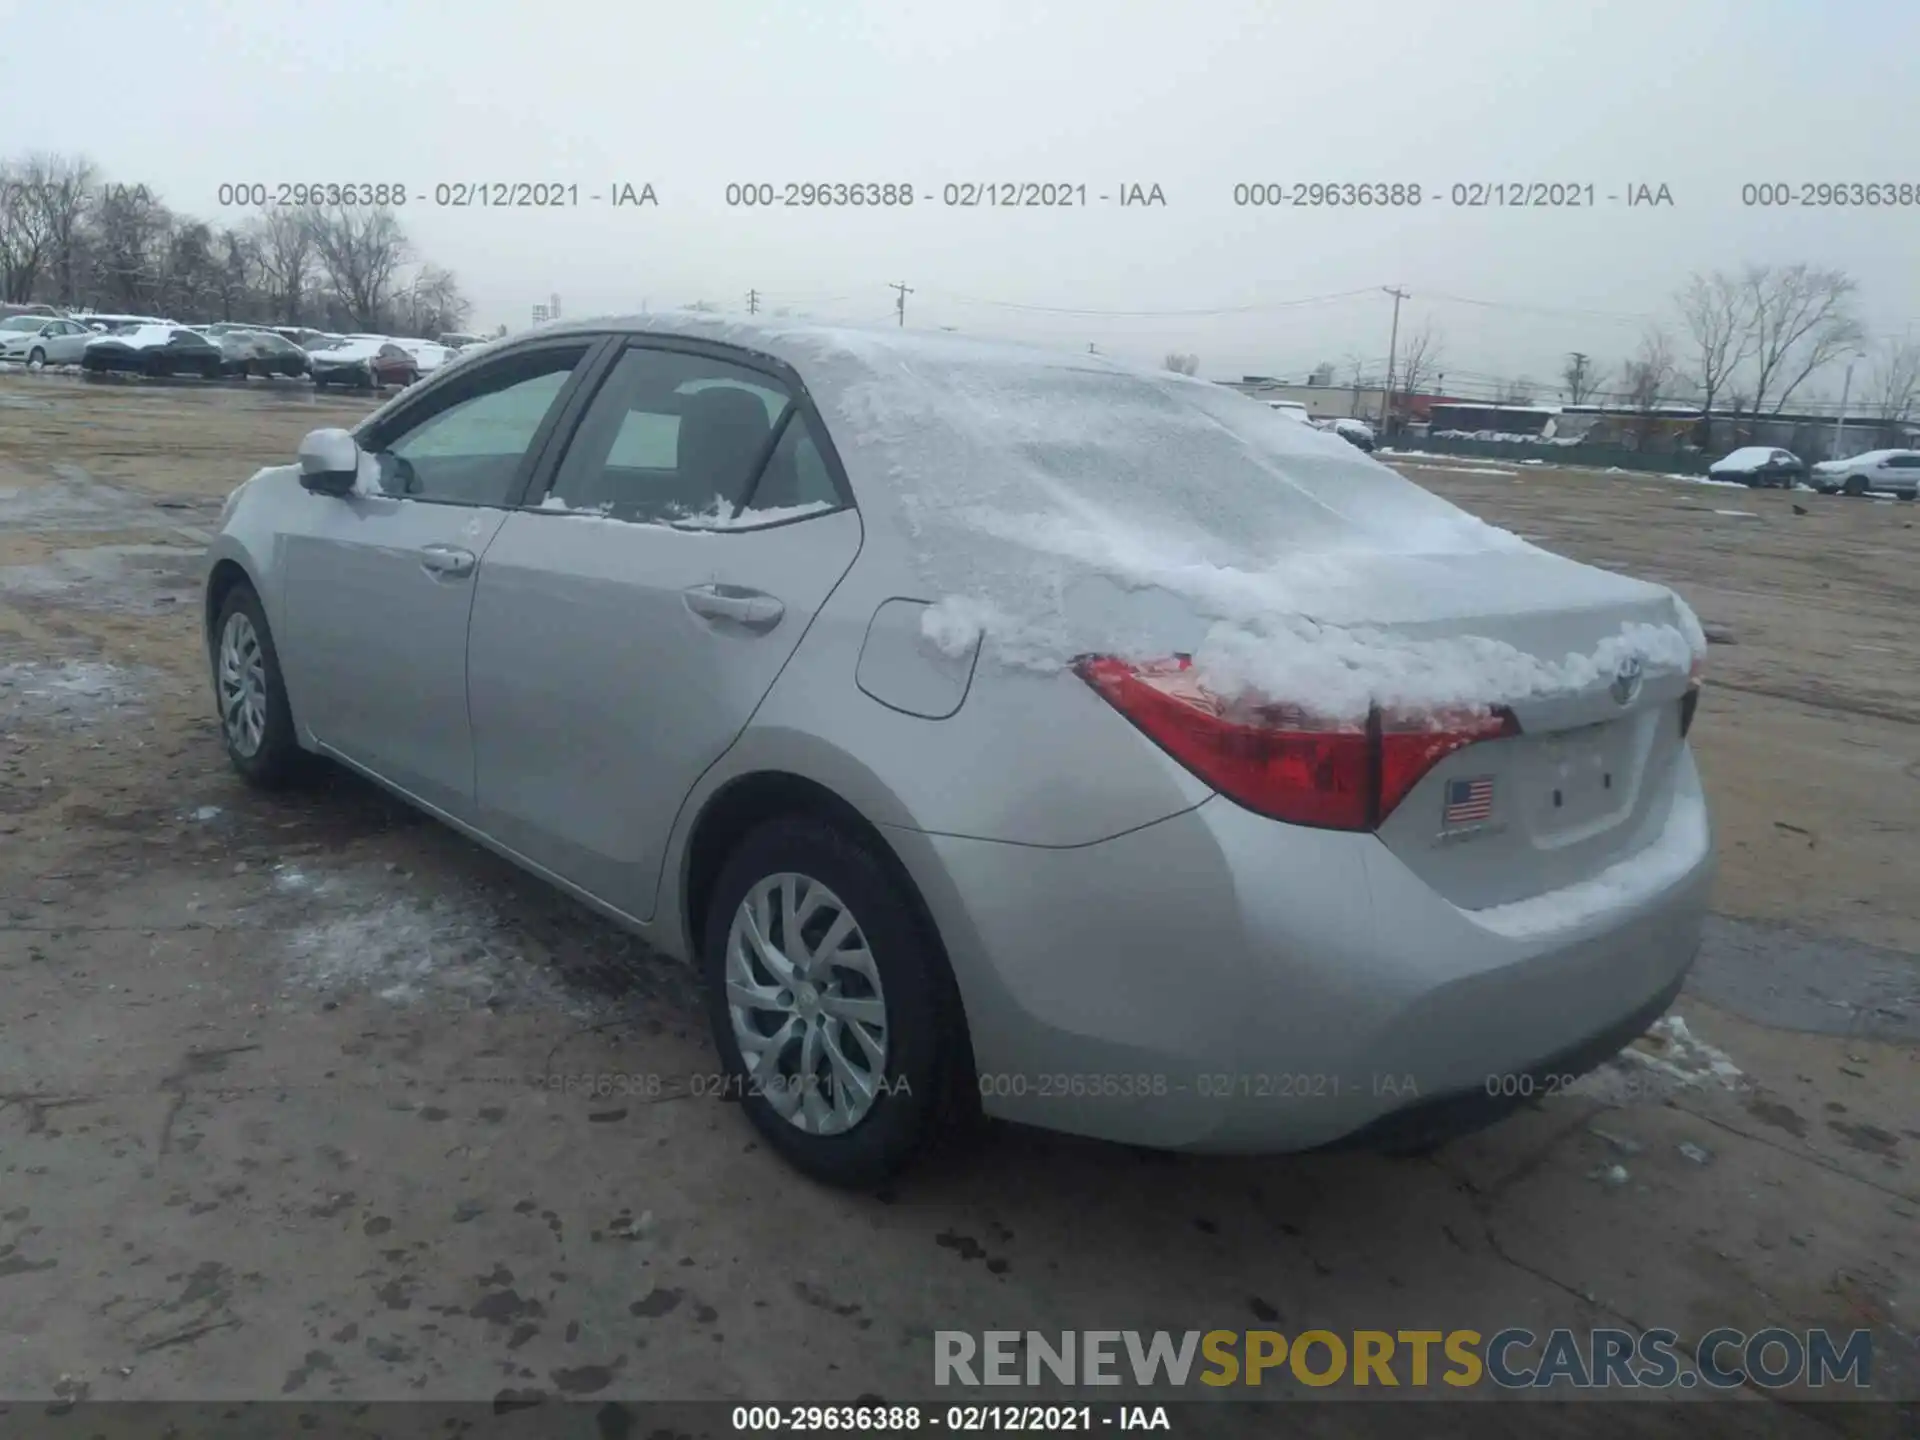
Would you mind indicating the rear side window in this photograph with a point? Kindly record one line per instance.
(674, 438)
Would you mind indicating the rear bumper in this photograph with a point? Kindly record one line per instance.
(1219, 982)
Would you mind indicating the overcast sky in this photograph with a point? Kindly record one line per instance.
(1699, 95)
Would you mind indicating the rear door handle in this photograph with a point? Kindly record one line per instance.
(754, 610)
(447, 560)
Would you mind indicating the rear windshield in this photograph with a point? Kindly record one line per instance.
(1088, 462)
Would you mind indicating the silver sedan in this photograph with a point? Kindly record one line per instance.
(994, 729)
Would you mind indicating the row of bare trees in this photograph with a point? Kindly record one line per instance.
(68, 238)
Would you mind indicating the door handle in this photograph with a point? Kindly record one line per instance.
(446, 560)
(754, 610)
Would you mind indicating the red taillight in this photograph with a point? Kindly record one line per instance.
(1280, 761)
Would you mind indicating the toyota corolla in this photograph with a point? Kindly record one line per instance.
(994, 728)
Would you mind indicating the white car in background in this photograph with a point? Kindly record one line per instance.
(1292, 409)
(36, 340)
(428, 356)
(1894, 472)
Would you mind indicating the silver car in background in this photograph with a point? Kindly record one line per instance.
(867, 672)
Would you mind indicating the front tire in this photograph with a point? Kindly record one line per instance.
(831, 1006)
(36, 358)
(250, 695)
(1856, 486)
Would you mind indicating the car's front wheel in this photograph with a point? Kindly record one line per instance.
(831, 1006)
(256, 721)
(1856, 485)
(36, 358)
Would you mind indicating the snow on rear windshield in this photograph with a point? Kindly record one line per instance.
(1064, 508)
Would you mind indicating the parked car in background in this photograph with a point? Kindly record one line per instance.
(622, 599)
(261, 352)
(1888, 472)
(156, 350)
(304, 336)
(459, 340)
(1354, 432)
(427, 355)
(34, 340)
(1292, 409)
(367, 363)
(1760, 466)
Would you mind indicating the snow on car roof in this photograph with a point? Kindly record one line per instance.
(352, 348)
(1746, 455)
(1065, 503)
(142, 337)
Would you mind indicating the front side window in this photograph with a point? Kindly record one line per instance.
(681, 438)
(470, 448)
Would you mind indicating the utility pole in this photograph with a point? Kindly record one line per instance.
(1839, 424)
(1577, 379)
(753, 302)
(900, 305)
(1393, 341)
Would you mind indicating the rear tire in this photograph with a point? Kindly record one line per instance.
(906, 1007)
(250, 696)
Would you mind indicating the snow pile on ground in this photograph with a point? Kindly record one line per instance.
(1503, 437)
(1667, 1060)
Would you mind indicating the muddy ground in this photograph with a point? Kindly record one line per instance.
(282, 1104)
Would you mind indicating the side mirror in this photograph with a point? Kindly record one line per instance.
(329, 461)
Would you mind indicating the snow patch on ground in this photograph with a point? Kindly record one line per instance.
(80, 691)
(143, 579)
(1670, 1056)
(356, 936)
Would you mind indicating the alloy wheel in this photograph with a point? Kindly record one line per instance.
(243, 685)
(806, 1004)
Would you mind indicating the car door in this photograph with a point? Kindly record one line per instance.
(66, 346)
(626, 627)
(378, 587)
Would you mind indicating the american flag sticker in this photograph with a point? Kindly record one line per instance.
(1468, 801)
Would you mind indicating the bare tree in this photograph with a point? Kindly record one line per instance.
(130, 234)
(1516, 392)
(190, 274)
(239, 266)
(1422, 358)
(1183, 364)
(64, 187)
(1645, 381)
(23, 230)
(1581, 380)
(432, 303)
(1799, 318)
(360, 248)
(1893, 384)
(1322, 374)
(284, 250)
(1715, 310)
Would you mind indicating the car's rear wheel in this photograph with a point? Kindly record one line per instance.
(255, 720)
(831, 1006)
(1856, 485)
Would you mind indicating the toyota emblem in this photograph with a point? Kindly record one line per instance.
(1626, 680)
